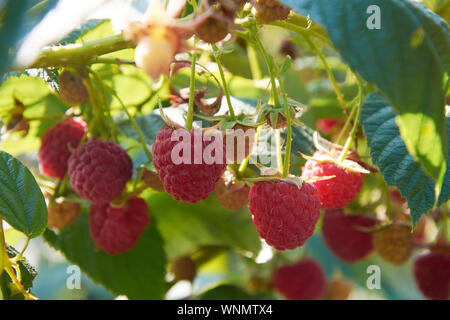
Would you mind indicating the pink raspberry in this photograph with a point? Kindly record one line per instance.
(341, 234)
(336, 192)
(304, 280)
(99, 170)
(55, 151)
(432, 273)
(117, 229)
(188, 182)
(284, 214)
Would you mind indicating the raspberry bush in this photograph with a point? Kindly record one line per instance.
(241, 149)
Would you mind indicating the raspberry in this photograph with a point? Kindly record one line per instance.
(239, 142)
(62, 214)
(394, 243)
(56, 144)
(432, 274)
(304, 280)
(284, 214)
(117, 229)
(231, 195)
(184, 268)
(99, 170)
(212, 30)
(338, 289)
(326, 126)
(268, 11)
(71, 88)
(341, 234)
(336, 192)
(152, 180)
(188, 182)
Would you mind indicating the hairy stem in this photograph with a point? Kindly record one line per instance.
(224, 82)
(190, 113)
(81, 52)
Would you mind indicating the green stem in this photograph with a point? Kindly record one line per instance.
(346, 125)
(270, 65)
(108, 111)
(244, 163)
(279, 155)
(96, 107)
(224, 82)
(287, 155)
(350, 139)
(20, 255)
(135, 126)
(81, 52)
(190, 113)
(338, 91)
(253, 62)
(302, 31)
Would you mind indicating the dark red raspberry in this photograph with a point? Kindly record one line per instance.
(327, 125)
(188, 182)
(343, 237)
(336, 192)
(304, 280)
(284, 214)
(99, 170)
(432, 273)
(55, 151)
(117, 229)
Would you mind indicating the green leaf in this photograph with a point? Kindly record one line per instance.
(22, 203)
(444, 196)
(389, 153)
(149, 124)
(226, 292)
(184, 227)
(137, 273)
(410, 77)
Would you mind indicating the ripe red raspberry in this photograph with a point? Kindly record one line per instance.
(54, 151)
(432, 273)
(304, 280)
(341, 234)
(117, 229)
(327, 125)
(394, 243)
(284, 214)
(99, 170)
(188, 182)
(336, 192)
